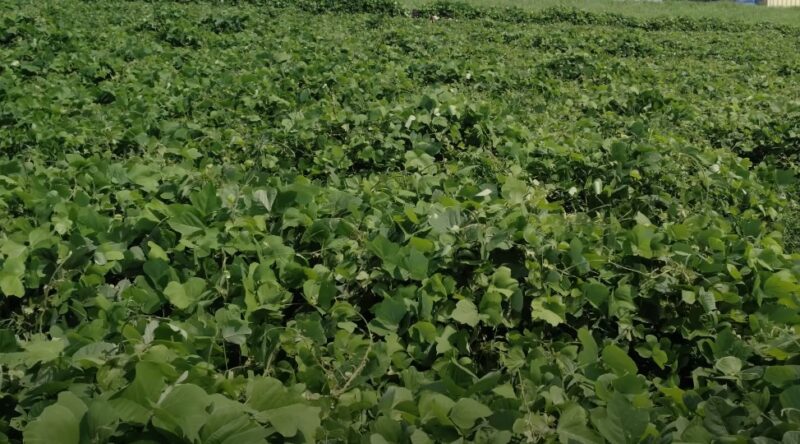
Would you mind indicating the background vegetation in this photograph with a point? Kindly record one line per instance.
(725, 10)
(342, 221)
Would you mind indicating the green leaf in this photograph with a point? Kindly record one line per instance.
(596, 293)
(206, 199)
(782, 375)
(101, 420)
(294, 418)
(644, 236)
(729, 365)
(434, 408)
(182, 411)
(791, 437)
(176, 295)
(466, 411)
(416, 264)
(620, 422)
(549, 309)
(384, 248)
(390, 312)
(11, 276)
(572, 427)
(466, 313)
(11, 285)
(58, 423)
(617, 360)
(268, 393)
(38, 350)
(781, 285)
(790, 398)
(229, 423)
(94, 354)
(266, 197)
(187, 294)
(185, 220)
(588, 355)
(156, 252)
(144, 391)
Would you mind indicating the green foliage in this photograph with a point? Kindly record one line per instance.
(257, 223)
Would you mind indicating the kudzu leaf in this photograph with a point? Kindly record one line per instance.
(293, 419)
(781, 284)
(790, 398)
(466, 411)
(187, 294)
(11, 276)
(781, 375)
(572, 427)
(182, 411)
(56, 424)
(618, 361)
(466, 313)
(729, 365)
(620, 422)
(229, 423)
(588, 355)
(549, 309)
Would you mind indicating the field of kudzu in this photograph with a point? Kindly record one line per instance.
(344, 221)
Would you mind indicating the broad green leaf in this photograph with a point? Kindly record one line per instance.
(434, 408)
(729, 365)
(644, 236)
(620, 421)
(384, 249)
(588, 355)
(572, 427)
(466, 313)
(11, 276)
(11, 285)
(146, 387)
(156, 252)
(416, 264)
(293, 419)
(549, 309)
(228, 423)
(268, 393)
(187, 294)
(185, 220)
(791, 437)
(101, 420)
(782, 375)
(390, 312)
(38, 350)
(466, 411)
(790, 398)
(617, 360)
(596, 293)
(781, 285)
(182, 411)
(266, 197)
(58, 423)
(206, 200)
(94, 354)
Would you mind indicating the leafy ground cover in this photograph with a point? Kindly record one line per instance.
(722, 9)
(269, 223)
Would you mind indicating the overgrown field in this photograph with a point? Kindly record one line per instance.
(303, 223)
(703, 9)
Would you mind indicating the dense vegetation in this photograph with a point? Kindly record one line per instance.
(725, 10)
(346, 222)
